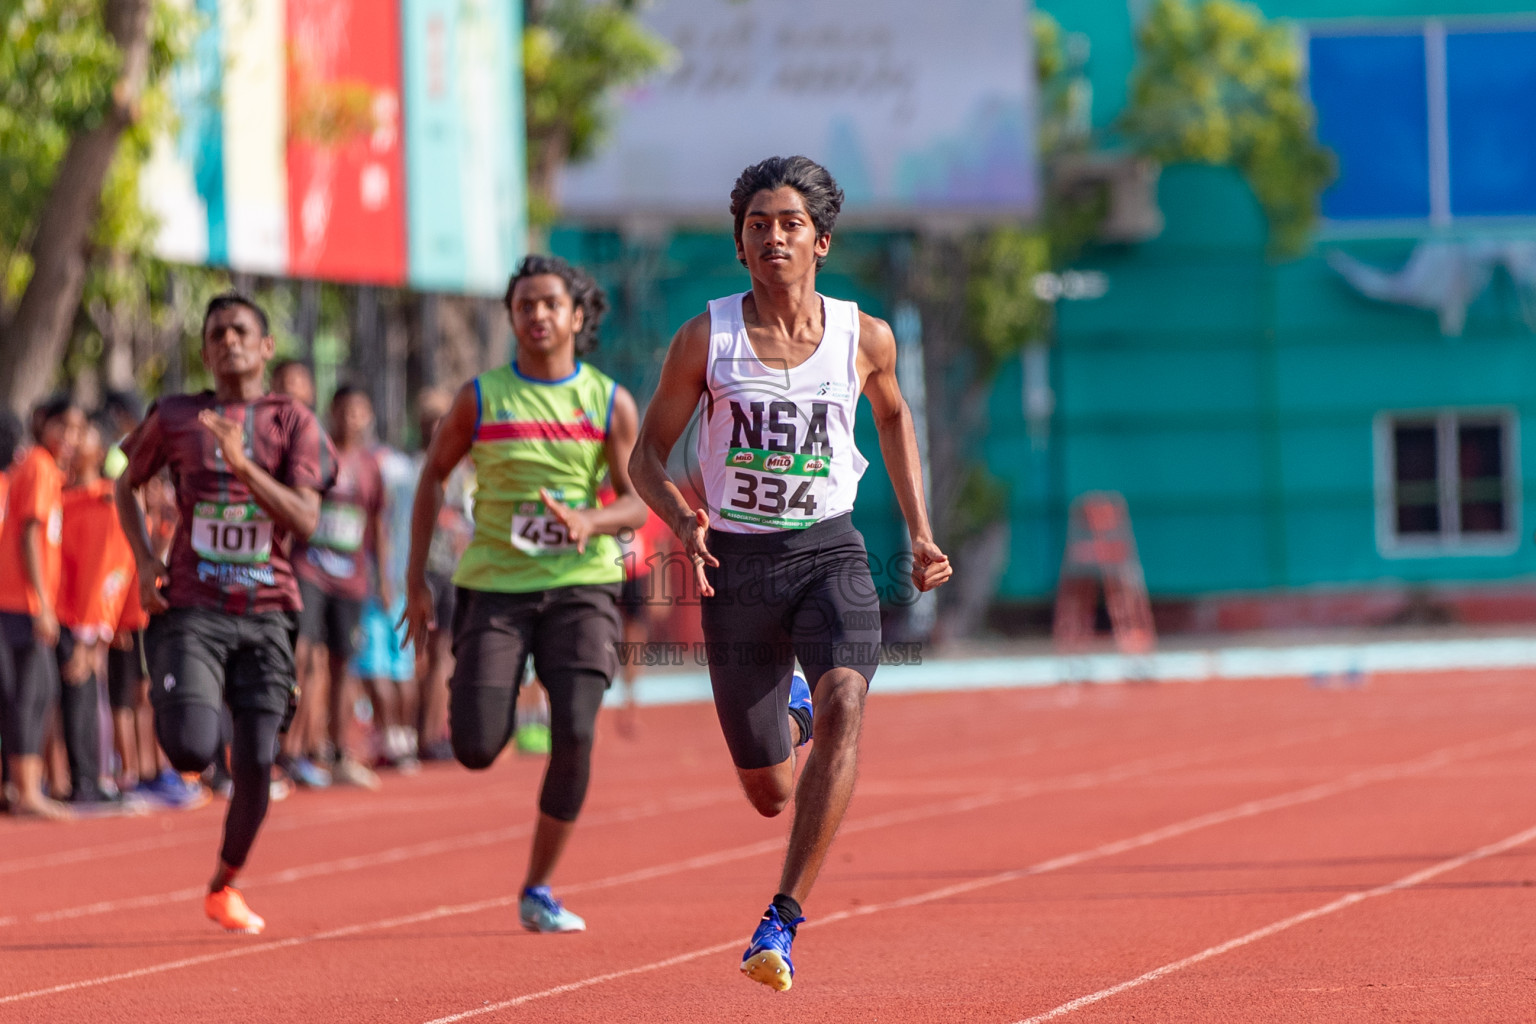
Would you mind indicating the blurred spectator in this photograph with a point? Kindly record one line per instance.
(455, 527)
(385, 665)
(292, 378)
(30, 564)
(334, 567)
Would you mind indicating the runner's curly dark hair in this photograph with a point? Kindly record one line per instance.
(823, 198)
(586, 294)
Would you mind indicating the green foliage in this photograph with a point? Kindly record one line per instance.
(575, 54)
(1218, 84)
(1003, 313)
(57, 69)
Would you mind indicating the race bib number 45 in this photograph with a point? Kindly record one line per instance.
(784, 490)
(341, 528)
(240, 534)
(536, 532)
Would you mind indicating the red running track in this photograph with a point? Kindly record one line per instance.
(1224, 851)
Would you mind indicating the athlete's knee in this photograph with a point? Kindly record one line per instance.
(189, 735)
(768, 790)
(839, 704)
(474, 752)
(189, 753)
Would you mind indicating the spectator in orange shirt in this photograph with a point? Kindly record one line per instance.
(30, 563)
(93, 587)
(10, 441)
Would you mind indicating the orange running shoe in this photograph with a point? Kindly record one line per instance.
(227, 909)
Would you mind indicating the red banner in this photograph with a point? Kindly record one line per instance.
(346, 173)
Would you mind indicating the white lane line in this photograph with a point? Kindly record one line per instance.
(1243, 810)
(1082, 780)
(1246, 809)
(209, 831)
(1342, 903)
(260, 947)
(369, 860)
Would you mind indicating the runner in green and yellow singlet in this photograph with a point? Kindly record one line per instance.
(543, 572)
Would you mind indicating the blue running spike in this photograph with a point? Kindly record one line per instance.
(767, 958)
(539, 911)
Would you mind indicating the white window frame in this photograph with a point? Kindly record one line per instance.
(1450, 541)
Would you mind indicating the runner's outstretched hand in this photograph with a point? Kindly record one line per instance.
(930, 566)
(418, 619)
(576, 525)
(692, 534)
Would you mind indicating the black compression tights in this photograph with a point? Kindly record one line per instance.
(191, 736)
(482, 718)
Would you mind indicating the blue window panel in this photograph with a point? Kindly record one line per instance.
(1491, 107)
(1373, 112)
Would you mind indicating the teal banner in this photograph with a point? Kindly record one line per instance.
(466, 189)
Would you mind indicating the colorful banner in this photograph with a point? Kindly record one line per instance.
(255, 156)
(346, 208)
(464, 146)
(921, 110)
(298, 120)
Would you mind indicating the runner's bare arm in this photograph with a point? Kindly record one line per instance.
(381, 552)
(450, 443)
(677, 396)
(898, 445)
(151, 566)
(626, 511)
(295, 509)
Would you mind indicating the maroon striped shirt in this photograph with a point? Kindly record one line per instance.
(227, 553)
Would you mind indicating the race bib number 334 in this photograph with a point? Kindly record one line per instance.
(786, 490)
(240, 534)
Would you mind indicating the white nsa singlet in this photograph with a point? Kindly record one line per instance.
(776, 445)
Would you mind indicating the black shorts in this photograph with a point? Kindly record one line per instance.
(443, 592)
(125, 669)
(566, 629)
(330, 620)
(202, 656)
(634, 596)
(803, 595)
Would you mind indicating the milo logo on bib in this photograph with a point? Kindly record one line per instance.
(780, 460)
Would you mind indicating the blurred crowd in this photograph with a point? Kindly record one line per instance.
(71, 617)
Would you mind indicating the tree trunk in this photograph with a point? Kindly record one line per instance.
(37, 334)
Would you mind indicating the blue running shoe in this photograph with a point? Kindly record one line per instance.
(541, 912)
(305, 772)
(800, 700)
(767, 958)
(169, 789)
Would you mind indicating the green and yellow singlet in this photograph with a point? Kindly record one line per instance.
(532, 434)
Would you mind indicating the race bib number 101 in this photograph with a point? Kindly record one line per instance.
(240, 534)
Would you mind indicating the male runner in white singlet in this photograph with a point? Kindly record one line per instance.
(778, 371)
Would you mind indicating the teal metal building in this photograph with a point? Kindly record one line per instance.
(1271, 426)
(1292, 450)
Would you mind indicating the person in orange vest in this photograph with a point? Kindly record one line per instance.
(30, 564)
(10, 443)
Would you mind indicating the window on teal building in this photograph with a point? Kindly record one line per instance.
(1445, 483)
(1430, 121)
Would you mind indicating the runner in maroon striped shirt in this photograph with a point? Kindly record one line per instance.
(248, 469)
